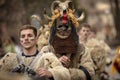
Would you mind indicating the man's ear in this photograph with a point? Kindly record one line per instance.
(77, 33)
(36, 39)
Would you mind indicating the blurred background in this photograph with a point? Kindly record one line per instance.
(102, 15)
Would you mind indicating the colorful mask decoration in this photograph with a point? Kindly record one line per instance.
(63, 29)
(64, 10)
(62, 24)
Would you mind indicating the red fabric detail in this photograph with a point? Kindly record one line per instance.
(64, 18)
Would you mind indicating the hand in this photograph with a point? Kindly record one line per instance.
(43, 72)
(65, 61)
(19, 69)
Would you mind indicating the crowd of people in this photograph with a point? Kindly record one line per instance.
(81, 50)
(62, 50)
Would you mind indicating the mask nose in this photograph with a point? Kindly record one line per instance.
(64, 21)
(64, 17)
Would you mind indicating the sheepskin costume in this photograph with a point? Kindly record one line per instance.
(48, 60)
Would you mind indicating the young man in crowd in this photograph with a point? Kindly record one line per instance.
(83, 33)
(98, 49)
(39, 65)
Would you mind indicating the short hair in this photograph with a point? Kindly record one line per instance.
(24, 27)
(86, 25)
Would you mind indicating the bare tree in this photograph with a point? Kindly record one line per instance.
(115, 8)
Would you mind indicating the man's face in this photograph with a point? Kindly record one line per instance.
(84, 32)
(27, 38)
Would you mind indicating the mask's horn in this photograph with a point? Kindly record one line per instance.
(54, 5)
(80, 18)
(70, 5)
